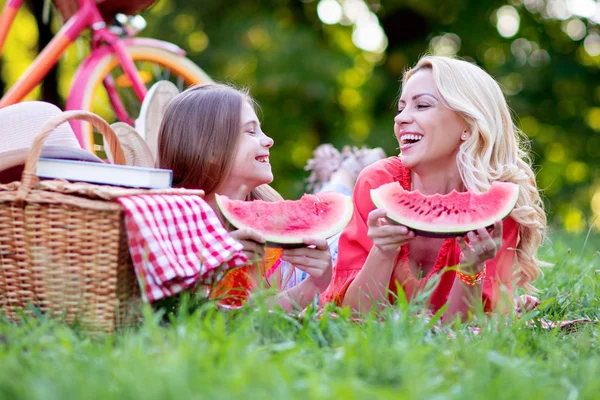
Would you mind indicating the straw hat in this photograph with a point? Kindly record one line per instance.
(19, 125)
(137, 152)
(152, 112)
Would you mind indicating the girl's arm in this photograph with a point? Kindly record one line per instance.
(372, 282)
(315, 260)
(253, 242)
(299, 296)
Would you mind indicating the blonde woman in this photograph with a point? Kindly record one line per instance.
(455, 133)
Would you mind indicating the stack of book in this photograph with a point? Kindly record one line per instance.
(105, 174)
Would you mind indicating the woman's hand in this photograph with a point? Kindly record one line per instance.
(481, 247)
(253, 242)
(314, 259)
(387, 238)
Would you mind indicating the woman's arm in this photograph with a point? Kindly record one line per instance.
(463, 298)
(355, 245)
(372, 283)
(482, 247)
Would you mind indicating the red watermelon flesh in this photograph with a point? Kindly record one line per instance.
(285, 223)
(446, 215)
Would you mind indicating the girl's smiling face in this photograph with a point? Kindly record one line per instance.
(251, 166)
(429, 133)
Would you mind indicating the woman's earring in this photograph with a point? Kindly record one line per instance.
(464, 136)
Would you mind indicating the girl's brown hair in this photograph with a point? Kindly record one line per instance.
(198, 135)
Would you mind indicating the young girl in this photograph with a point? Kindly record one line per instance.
(211, 138)
(455, 133)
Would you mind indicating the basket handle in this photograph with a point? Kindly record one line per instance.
(29, 178)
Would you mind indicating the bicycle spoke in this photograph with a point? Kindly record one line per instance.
(131, 101)
(180, 83)
(105, 108)
(157, 72)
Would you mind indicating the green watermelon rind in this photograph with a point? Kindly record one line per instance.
(437, 230)
(286, 242)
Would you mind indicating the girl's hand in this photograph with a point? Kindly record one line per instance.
(481, 247)
(253, 242)
(387, 238)
(315, 260)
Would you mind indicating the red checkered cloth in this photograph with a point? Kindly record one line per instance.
(176, 242)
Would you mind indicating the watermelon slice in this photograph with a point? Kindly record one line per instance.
(285, 223)
(447, 215)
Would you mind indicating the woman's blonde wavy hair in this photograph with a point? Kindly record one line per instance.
(496, 150)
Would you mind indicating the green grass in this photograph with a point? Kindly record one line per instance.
(260, 354)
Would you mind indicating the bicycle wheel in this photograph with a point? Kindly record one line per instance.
(153, 64)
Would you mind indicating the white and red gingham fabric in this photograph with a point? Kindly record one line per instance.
(176, 242)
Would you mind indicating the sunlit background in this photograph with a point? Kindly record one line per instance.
(329, 71)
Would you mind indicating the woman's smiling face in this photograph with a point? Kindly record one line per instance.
(429, 133)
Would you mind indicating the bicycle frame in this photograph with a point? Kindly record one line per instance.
(88, 15)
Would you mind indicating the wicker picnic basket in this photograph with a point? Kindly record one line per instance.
(63, 245)
(108, 8)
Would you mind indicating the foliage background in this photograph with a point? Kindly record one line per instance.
(315, 85)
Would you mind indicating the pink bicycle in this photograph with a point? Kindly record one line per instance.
(113, 79)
